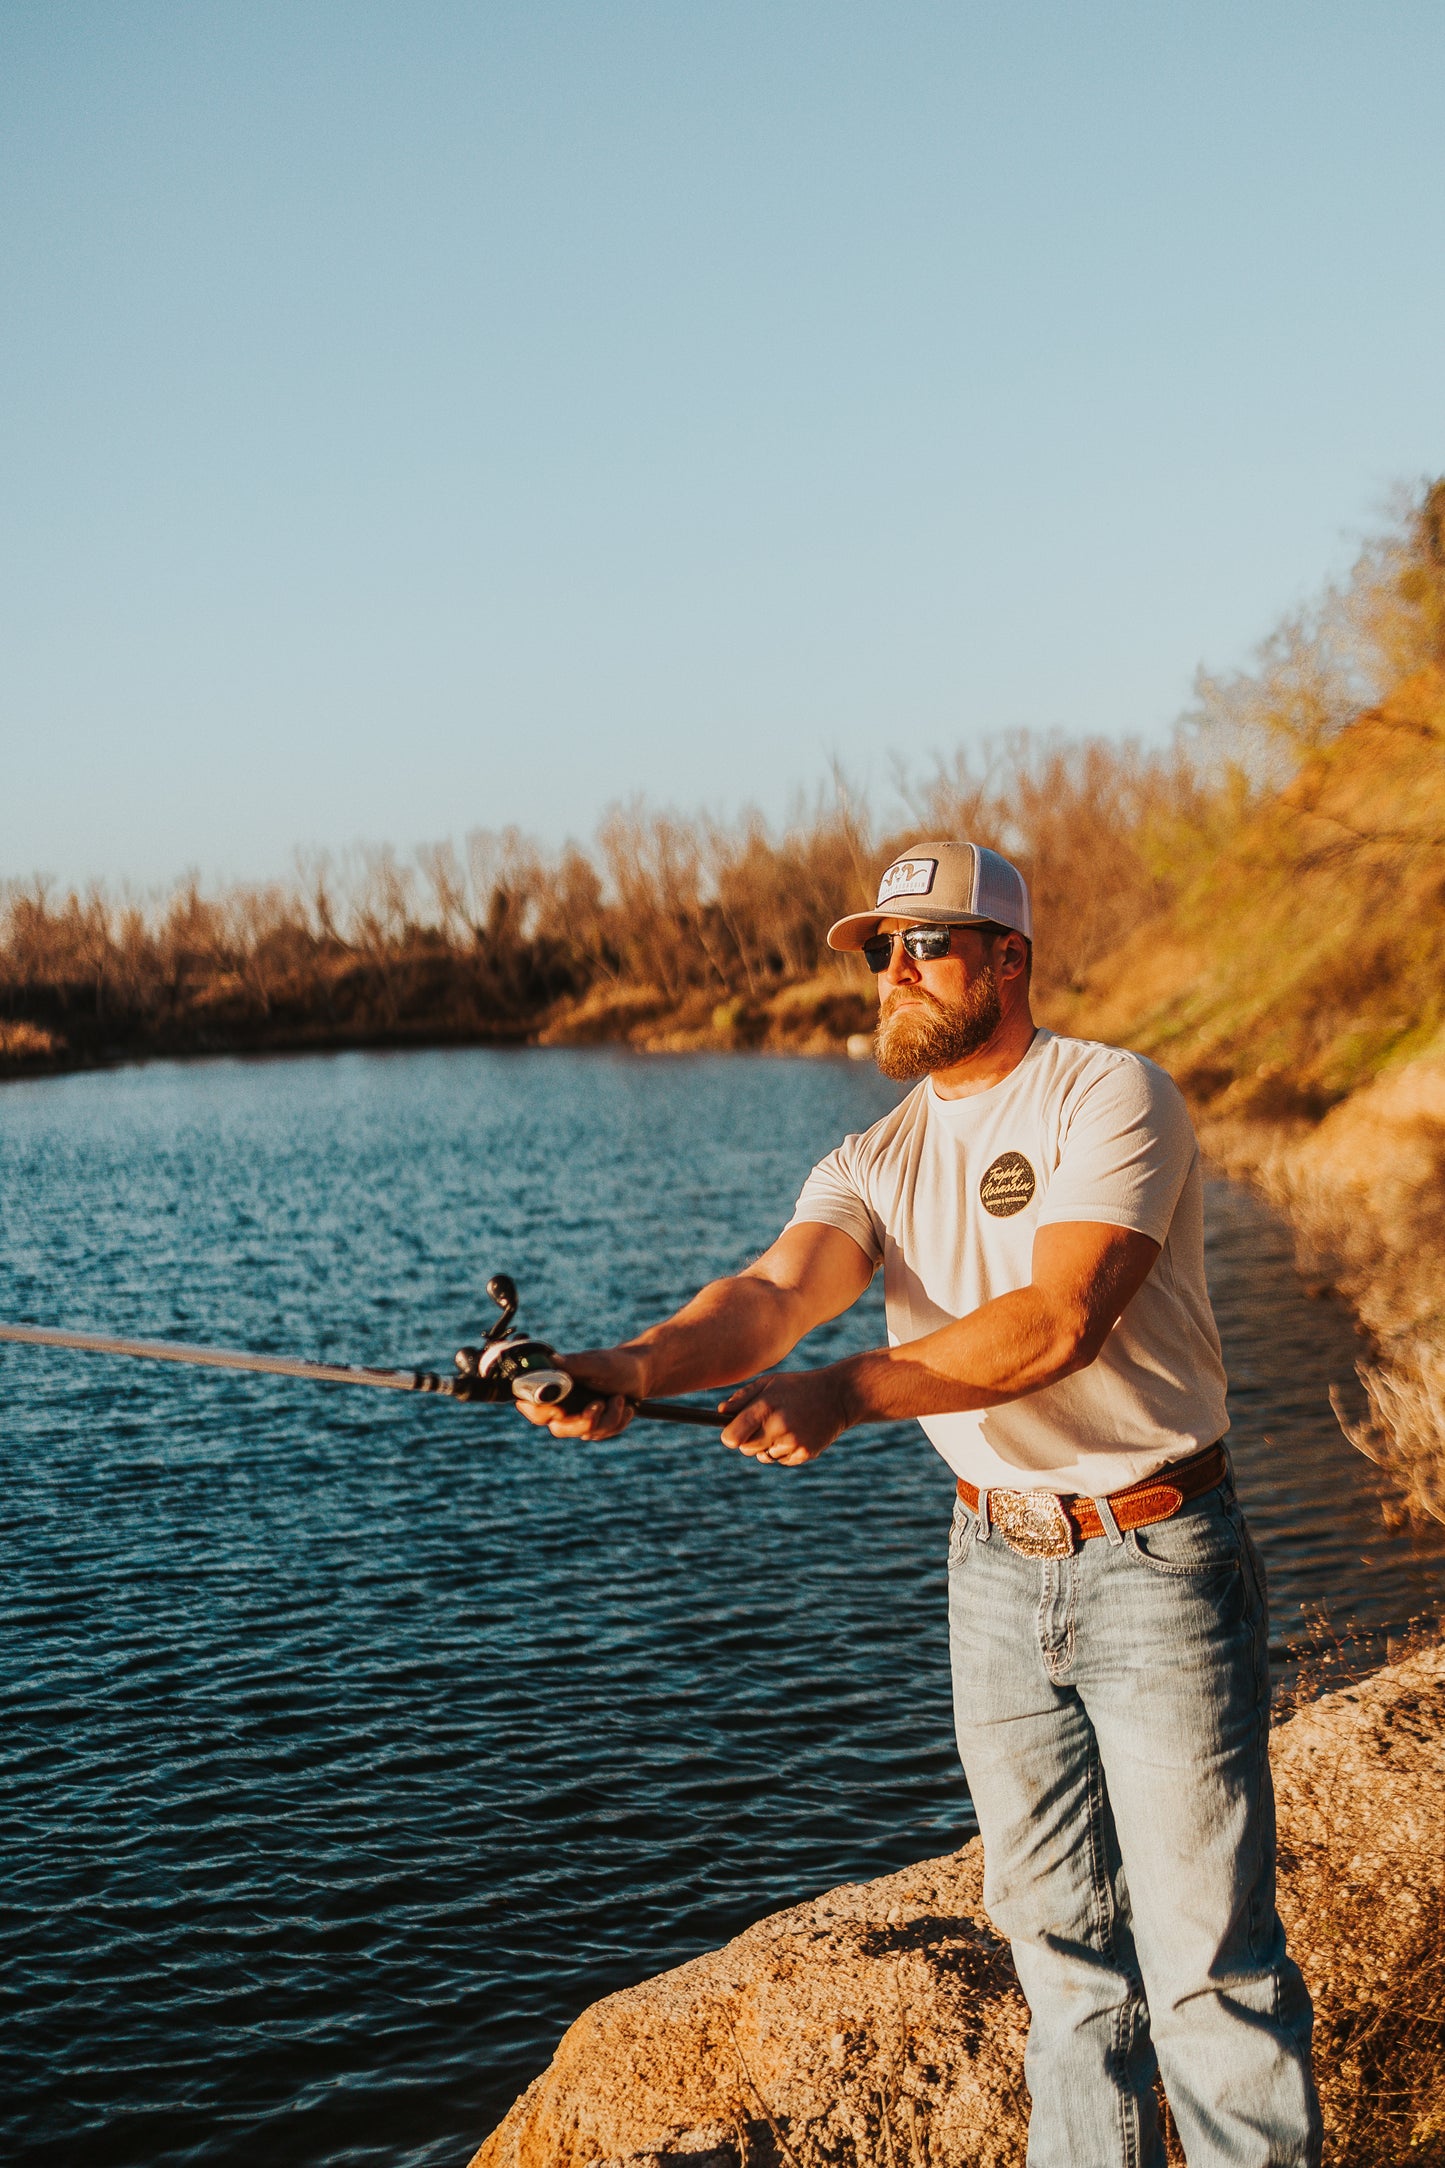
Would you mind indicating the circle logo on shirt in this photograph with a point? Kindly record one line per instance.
(1008, 1185)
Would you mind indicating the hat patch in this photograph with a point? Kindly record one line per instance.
(906, 877)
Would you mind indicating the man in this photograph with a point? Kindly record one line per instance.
(1036, 1205)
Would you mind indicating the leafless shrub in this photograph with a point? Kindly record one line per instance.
(1099, 829)
(23, 1044)
(720, 919)
(717, 918)
(1322, 667)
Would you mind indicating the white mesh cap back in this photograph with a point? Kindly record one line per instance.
(1000, 891)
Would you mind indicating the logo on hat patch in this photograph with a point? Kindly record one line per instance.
(907, 877)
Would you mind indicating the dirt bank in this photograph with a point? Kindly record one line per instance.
(1364, 1191)
(883, 2023)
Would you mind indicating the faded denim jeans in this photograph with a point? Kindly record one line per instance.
(1113, 1715)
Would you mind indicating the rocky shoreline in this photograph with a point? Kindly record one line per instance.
(882, 2024)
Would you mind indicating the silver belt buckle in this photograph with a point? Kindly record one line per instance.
(1032, 1522)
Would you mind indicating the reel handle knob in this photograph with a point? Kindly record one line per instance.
(503, 1290)
(544, 1388)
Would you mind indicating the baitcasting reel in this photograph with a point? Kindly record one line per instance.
(511, 1366)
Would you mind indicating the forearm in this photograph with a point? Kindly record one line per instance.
(732, 1329)
(1014, 1345)
(1084, 1276)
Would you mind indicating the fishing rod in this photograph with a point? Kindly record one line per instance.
(508, 1366)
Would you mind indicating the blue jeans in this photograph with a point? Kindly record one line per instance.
(1113, 1718)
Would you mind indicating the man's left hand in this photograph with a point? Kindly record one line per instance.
(790, 1417)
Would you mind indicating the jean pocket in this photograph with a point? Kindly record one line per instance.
(1203, 1537)
(961, 1535)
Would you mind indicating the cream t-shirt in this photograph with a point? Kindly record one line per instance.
(948, 1194)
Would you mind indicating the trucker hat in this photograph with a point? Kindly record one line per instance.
(943, 884)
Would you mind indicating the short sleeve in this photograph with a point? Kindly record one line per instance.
(1125, 1153)
(833, 1196)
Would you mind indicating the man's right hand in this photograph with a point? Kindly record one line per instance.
(615, 1374)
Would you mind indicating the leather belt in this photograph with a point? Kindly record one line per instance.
(1042, 1524)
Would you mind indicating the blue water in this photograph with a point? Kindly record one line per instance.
(351, 1744)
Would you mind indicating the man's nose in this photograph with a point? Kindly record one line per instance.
(902, 970)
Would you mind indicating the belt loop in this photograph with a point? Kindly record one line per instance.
(985, 1525)
(1106, 1515)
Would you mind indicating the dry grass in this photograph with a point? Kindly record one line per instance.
(1346, 1238)
(1373, 1940)
(1364, 1191)
(1405, 1431)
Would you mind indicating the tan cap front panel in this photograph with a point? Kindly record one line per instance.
(942, 883)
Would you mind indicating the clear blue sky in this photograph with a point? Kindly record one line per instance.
(417, 416)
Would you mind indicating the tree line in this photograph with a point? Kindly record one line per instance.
(499, 938)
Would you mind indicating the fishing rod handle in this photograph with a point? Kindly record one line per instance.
(678, 1411)
(539, 1388)
(581, 1397)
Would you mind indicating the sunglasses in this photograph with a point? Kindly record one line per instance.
(925, 944)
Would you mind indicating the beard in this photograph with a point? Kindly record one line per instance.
(916, 1034)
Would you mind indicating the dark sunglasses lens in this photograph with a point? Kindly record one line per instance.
(925, 944)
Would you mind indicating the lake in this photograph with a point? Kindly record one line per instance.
(353, 1743)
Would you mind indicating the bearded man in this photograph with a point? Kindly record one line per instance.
(1036, 1205)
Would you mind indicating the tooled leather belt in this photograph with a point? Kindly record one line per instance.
(1043, 1524)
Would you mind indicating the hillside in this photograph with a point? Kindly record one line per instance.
(1309, 956)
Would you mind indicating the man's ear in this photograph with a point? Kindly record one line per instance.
(1011, 956)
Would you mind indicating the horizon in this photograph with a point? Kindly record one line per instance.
(427, 421)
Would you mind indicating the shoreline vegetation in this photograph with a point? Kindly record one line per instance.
(668, 933)
(1260, 906)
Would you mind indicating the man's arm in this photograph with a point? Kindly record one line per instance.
(1084, 1276)
(733, 1329)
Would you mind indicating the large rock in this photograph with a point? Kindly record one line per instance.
(883, 2022)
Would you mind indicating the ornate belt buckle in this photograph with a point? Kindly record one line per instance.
(1032, 1522)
